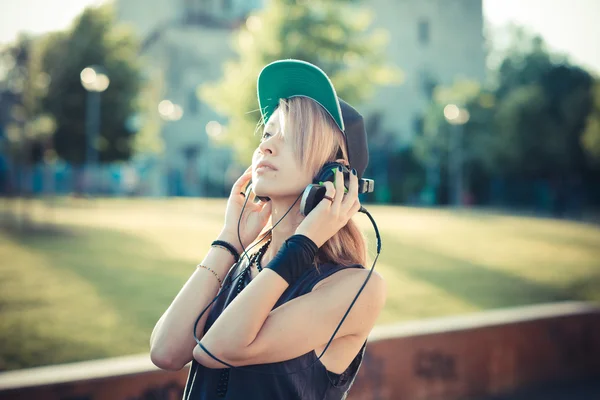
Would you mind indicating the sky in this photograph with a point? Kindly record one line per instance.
(567, 26)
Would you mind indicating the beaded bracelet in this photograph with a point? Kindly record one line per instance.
(214, 273)
(227, 246)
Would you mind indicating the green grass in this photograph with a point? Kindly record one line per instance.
(95, 284)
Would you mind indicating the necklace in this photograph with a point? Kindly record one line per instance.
(259, 255)
(223, 383)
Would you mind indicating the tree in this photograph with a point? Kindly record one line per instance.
(24, 83)
(541, 124)
(332, 34)
(94, 39)
(536, 123)
(590, 139)
(432, 146)
(28, 130)
(543, 104)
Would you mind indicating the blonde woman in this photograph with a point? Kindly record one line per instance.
(279, 307)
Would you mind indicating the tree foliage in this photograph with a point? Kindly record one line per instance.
(591, 136)
(539, 120)
(542, 124)
(24, 84)
(334, 35)
(94, 39)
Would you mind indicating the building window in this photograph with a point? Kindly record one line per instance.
(427, 82)
(423, 31)
(197, 10)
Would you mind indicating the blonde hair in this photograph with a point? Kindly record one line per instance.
(317, 140)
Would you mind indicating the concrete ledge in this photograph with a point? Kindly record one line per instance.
(491, 318)
(85, 370)
(470, 356)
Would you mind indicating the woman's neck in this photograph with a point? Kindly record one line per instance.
(284, 229)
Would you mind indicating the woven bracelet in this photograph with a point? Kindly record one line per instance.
(228, 247)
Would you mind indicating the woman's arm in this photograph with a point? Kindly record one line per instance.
(249, 332)
(171, 342)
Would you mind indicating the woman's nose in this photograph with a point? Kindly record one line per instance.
(266, 147)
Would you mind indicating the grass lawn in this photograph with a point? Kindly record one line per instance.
(95, 284)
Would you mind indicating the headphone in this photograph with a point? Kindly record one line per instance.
(315, 192)
(311, 196)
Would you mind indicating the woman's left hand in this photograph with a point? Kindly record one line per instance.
(328, 217)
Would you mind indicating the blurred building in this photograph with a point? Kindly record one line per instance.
(434, 42)
(187, 41)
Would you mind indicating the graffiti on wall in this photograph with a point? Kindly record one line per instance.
(435, 364)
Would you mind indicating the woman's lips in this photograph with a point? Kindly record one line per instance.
(263, 168)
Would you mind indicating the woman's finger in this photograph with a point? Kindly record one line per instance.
(251, 196)
(330, 192)
(352, 194)
(356, 207)
(339, 188)
(241, 182)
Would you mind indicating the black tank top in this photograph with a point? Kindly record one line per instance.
(315, 383)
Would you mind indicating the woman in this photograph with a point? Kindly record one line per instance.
(291, 294)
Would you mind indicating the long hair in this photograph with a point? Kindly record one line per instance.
(317, 140)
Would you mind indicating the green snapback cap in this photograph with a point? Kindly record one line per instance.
(284, 79)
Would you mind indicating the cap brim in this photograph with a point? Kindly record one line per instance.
(290, 78)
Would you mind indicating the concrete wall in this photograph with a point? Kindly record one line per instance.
(480, 356)
(462, 357)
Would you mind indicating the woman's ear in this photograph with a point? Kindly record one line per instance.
(343, 162)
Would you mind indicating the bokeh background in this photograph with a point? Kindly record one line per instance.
(124, 123)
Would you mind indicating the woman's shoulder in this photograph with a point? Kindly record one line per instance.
(344, 285)
(347, 277)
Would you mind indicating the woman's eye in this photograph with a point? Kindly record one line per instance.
(264, 136)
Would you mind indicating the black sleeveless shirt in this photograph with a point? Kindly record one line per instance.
(314, 383)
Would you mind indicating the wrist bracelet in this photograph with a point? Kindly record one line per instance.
(228, 247)
(224, 248)
(294, 258)
(213, 272)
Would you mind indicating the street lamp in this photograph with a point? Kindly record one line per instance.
(170, 111)
(457, 117)
(94, 81)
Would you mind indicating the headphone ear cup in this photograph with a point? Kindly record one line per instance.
(312, 195)
(328, 172)
(315, 192)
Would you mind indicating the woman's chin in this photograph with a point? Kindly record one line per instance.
(260, 192)
(261, 189)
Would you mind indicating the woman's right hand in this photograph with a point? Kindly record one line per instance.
(255, 215)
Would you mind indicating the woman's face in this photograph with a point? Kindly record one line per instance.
(288, 178)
